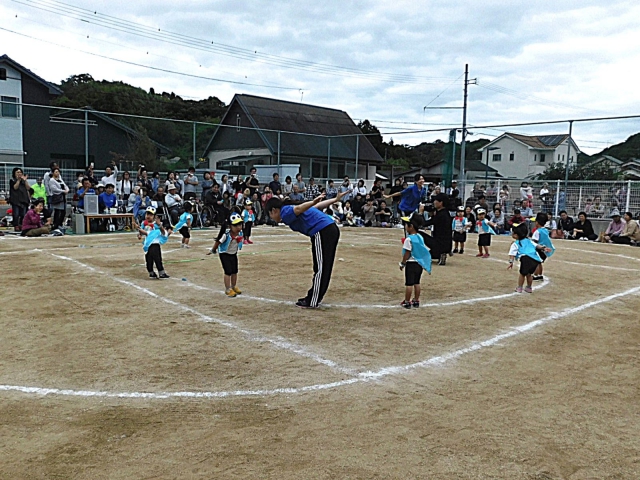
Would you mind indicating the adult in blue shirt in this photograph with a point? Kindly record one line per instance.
(410, 196)
(309, 219)
(108, 199)
(84, 190)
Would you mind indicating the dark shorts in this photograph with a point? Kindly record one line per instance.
(460, 237)
(543, 255)
(528, 265)
(229, 263)
(484, 240)
(184, 231)
(412, 274)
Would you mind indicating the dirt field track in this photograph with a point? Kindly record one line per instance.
(106, 374)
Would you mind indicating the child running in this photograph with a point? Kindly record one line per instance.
(227, 244)
(248, 217)
(526, 251)
(151, 246)
(415, 258)
(184, 224)
(460, 226)
(541, 237)
(483, 226)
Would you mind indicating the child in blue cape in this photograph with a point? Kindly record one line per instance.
(526, 251)
(184, 224)
(460, 225)
(485, 230)
(415, 258)
(541, 237)
(154, 238)
(227, 245)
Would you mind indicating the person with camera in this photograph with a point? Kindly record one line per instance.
(19, 197)
(252, 183)
(143, 179)
(190, 184)
(174, 203)
(110, 174)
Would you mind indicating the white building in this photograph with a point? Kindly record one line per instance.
(525, 156)
(11, 148)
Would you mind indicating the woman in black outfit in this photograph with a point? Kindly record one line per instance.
(441, 235)
(583, 229)
(18, 197)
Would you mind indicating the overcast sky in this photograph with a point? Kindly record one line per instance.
(534, 61)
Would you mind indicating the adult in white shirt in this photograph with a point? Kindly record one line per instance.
(360, 189)
(190, 184)
(124, 187)
(174, 202)
(111, 174)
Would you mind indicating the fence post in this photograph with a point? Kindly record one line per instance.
(580, 198)
(355, 177)
(628, 207)
(558, 198)
(195, 163)
(329, 157)
(279, 132)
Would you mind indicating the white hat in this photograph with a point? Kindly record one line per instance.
(171, 186)
(151, 210)
(481, 210)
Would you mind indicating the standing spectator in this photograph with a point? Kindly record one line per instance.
(492, 192)
(39, 190)
(312, 190)
(504, 198)
(179, 184)
(360, 188)
(332, 192)
(110, 174)
(90, 175)
(190, 184)
(46, 178)
(397, 188)
(144, 180)
(477, 191)
(631, 232)
(471, 218)
(302, 188)
(347, 189)
(597, 209)
(545, 198)
(59, 191)
(287, 187)
(615, 228)
(171, 179)
(124, 188)
(224, 184)
(275, 184)
(526, 192)
(369, 212)
(207, 184)
(19, 197)
(32, 223)
(583, 229)
(252, 182)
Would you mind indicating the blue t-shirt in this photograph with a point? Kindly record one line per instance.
(184, 218)
(91, 191)
(308, 223)
(108, 200)
(411, 197)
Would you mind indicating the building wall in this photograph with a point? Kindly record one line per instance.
(11, 145)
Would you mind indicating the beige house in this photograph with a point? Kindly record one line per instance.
(525, 156)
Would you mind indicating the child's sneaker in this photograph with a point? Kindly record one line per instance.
(405, 304)
(230, 293)
(249, 242)
(415, 303)
(518, 289)
(164, 275)
(538, 277)
(186, 246)
(480, 255)
(443, 259)
(486, 255)
(455, 250)
(528, 290)
(461, 251)
(153, 275)
(237, 290)
(245, 242)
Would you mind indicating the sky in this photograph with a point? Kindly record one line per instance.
(379, 60)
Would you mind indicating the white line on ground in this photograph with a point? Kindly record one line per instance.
(364, 377)
(278, 342)
(603, 253)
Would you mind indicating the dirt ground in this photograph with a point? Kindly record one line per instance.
(171, 379)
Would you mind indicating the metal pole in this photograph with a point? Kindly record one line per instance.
(194, 145)
(452, 133)
(579, 195)
(329, 157)
(463, 176)
(628, 206)
(558, 198)
(566, 170)
(357, 155)
(86, 138)
(279, 132)
(486, 170)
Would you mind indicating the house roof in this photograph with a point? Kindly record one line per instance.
(470, 166)
(608, 158)
(315, 123)
(107, 119)
(539, 142)
(53, 90)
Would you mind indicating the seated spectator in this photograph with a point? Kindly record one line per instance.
(108, 198)
(377, 191)
(336, 212)
(215, 200)
(131, 200)
(360, 188)
(583, 229)
(173, 202)
(369, 213)
(516, 219)
(356, 205)
(566, 225)
(517, 204)
(206, 184)
(257, 208)
(526, 209)
(332, 192)
(551, 224)
(142, 201)
(39, 190)
(296, 197)
(383, 215)
(312, 190)
(497, 217)
(614, 229)
(631, 233)
(83, 191)
(597, 209)
(32, 223)
(159, 196)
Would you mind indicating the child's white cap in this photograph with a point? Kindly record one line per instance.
(481, 210)
(151, 210)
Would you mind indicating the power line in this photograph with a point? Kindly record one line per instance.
(165, 70)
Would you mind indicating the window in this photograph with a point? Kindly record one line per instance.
(558, 157)
(542, 157)
(3, 73)
(497, 157)
(9, 107)
(535, 158)
(512, 157)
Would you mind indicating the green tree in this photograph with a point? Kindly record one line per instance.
(556, 171)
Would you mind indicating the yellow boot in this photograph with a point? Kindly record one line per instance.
(230, 293)
(237, 290)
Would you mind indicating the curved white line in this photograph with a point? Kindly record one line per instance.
(363, 377)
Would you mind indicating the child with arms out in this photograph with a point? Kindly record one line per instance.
(154, 238)
(485, 230)
(184, 224)
(415, 258)
(227, 244)
(460, 226)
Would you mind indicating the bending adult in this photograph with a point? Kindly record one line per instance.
(411, 196)
(59, 191)
(18, 197)
(441, 235)
(309, 219)
(32, 223)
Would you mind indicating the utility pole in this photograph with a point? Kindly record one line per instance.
(467, 82)
(566, 168)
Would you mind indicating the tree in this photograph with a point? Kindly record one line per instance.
(373, 135)
(556, 171)
(142, 151)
